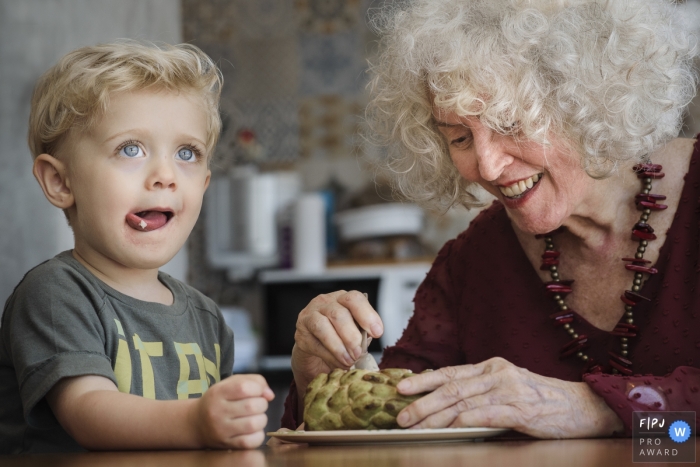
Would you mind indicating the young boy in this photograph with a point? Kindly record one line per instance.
(98, 349)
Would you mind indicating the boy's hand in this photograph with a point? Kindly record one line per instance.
(231, 414)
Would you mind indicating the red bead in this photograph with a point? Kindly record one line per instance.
(627, 301)
(652, 206)
(643, 226)
(592, 367)
(635, 297)
(637, 260)
(648, 197)
(654, 175)
(546, 263)
(557, 288)
(622, 360)
(550, 254)
(620, 368)
(622, 326)
(647, 167)
(637, 268)
(561, 313)
(564, 319)
(581, 342)
(640, 234)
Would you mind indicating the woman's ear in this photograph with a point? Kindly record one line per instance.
(51, 175)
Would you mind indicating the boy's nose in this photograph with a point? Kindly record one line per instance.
(162, 174)
(492, 152)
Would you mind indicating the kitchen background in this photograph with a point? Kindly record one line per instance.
(289, 162)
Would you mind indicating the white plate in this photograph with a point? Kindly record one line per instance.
(438, 435)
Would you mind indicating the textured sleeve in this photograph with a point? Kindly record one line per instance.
(291, 409)
(678, 391)
(54, 333)
(227, 348)
(431, 339)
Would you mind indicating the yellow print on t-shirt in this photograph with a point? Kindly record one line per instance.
(209, 372)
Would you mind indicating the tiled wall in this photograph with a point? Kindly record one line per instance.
(294, 73)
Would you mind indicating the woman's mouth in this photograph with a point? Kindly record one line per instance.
(520, 188)
(146, 221)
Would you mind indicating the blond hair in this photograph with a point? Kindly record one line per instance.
(610, 77)
(75, 92)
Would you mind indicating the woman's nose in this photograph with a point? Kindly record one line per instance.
(162, 173)
(492, 152)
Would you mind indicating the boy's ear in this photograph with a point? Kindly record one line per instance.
(51, 175)
(206, 182)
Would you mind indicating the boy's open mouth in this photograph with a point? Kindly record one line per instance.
(145, 221)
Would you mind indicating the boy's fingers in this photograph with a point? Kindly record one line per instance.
(247, 407)
(247, 425)
(238, 387)
(248, 441)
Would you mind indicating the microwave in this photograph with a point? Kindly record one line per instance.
(390, 290)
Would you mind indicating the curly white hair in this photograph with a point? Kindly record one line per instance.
(610, 77)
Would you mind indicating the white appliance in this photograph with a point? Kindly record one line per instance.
(391, 290)
(241, 211)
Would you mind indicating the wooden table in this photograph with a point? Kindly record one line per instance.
(575, 453)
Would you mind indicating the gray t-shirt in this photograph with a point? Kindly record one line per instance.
(62, 321)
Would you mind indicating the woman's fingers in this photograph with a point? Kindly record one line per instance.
(362, 312)
(455, 391)
(330, 320)
(332, 351)
(447, 416)
(430, 381)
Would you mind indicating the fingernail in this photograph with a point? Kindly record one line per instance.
(356, 352)
(348, 359)
(376, 329)
(402, 419)
(404, 385)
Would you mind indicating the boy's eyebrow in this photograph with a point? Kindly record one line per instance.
(134, 130)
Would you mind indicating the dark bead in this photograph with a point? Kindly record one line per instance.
(654, 168)
(638, 268)
(620, 368)
(628, 326)
(643, 226)
(550, 254)
(561, 313)
(637, 260)
(649, 197)
(577, 344)
(654, 175)
(642, 235)
(619, 358)
(651, 206)
(635, 297)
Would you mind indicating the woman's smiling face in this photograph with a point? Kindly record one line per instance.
(540, 186)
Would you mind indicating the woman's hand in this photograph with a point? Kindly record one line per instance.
(327, 336)
(496, 393)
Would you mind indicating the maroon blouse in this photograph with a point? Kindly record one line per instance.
(482, 298)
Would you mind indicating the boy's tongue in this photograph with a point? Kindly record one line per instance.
(146, 220)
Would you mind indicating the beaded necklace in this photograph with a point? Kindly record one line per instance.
(625, 329)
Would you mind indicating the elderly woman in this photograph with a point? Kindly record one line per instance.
(584, 274)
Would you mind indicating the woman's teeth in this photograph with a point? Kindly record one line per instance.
(518, 188)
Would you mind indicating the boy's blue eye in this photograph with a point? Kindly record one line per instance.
(131, 150)
(186, 154)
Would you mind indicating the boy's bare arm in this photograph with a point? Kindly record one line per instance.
(231, 414)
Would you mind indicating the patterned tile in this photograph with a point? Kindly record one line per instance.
(332, 64)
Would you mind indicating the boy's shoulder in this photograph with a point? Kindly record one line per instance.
(61, 274)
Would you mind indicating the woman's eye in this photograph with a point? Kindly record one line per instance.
(186, 154)
(461, 142)
(131, 150)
